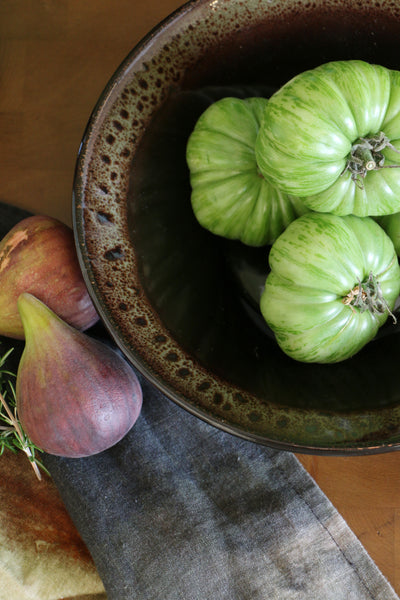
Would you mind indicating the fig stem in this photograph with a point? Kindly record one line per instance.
(21, 436)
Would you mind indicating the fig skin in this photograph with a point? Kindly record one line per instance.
(38, 255)
(75, 395)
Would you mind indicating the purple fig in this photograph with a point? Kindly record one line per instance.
(38, 256)
(75, 395)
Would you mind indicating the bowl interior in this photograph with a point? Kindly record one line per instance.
(181, 303)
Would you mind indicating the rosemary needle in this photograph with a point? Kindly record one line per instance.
(12, 435)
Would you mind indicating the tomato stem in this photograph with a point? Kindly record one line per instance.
(366, 155)
(368, 296)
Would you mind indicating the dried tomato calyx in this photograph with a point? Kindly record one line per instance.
(366, 155)
(368, 296)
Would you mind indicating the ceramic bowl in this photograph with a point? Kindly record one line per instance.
(182, 304)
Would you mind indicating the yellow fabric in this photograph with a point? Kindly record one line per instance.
(42, 571)
(42, 556)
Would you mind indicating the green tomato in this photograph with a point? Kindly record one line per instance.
(330, 134)
(333, 282)
(229, 196)
(391, 224)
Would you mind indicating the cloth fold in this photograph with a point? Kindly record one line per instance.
(180, 510)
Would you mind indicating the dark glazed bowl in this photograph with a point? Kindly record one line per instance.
(182, 304)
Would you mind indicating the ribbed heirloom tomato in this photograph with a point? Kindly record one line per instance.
(391, 224)
(333, 282)
(229, 196)
(331, 135)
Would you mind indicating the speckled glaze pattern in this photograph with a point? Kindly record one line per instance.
(191, 49)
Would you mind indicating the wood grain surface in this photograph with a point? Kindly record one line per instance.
(55, 58)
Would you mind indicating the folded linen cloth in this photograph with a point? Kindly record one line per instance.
(179, 510)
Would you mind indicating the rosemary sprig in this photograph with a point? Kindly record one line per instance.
(12, 435)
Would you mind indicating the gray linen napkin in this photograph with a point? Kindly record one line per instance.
(179, 510)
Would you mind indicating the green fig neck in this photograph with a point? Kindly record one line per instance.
(35, 315)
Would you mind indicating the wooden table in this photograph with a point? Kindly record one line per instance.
(55, 58)
(366, 492)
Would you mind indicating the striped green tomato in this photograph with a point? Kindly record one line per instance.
(391, 224)
(333, 282)
(229, 196)
(331, 135)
